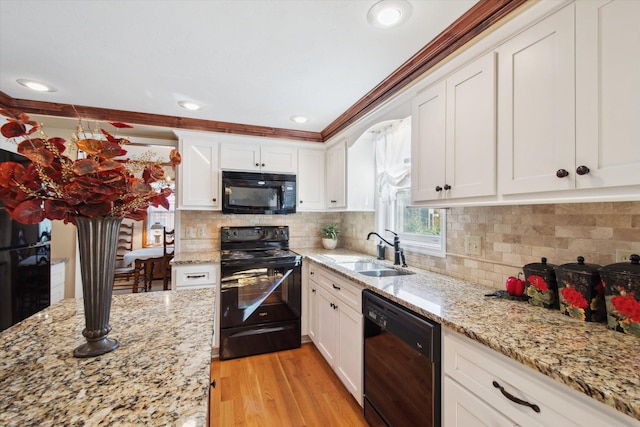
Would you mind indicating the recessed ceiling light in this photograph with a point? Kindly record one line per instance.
(189, 105)
(389, 13)
(299, 119)
(37, 86)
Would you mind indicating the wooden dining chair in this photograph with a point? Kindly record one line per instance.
(145, 270)
(168, 243)
(123, 273)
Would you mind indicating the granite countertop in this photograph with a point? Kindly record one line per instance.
(588, 357)
(158, 376)
(202, 257)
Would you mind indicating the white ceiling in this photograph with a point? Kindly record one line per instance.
(254, 62)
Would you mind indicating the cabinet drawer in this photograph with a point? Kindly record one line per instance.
(200, 275)
(341, 288)
(479, 369)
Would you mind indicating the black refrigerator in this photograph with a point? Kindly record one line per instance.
(25, 263)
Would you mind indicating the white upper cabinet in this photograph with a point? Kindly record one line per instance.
(608, 93)
(454, 137)
(336, 175)
(258, 157)
(536, 125)
(554, 137)
(310, 183)
(198, 177)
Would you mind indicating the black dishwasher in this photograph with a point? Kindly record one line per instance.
(401, 365)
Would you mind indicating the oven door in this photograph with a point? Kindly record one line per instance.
(259, 293)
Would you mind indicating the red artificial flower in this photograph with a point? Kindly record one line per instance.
(538, 282)
(574, 298)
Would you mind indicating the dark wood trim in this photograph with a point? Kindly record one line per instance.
(135, 118)
(480, 17)
(477, 19)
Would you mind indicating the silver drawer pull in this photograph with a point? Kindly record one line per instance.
(262, 314)
(196, 276)
(514, 399)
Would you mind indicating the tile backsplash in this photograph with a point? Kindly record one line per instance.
(511, 236)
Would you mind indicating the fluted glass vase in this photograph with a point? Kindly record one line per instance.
(98, 242)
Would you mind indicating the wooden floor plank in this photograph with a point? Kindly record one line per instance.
(288, 388)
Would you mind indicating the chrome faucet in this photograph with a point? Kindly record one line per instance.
(398, 253)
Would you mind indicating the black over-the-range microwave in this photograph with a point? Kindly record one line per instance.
(258, 193)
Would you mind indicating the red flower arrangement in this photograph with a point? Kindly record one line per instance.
(55, 186)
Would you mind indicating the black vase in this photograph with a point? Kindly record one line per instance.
(98, 243)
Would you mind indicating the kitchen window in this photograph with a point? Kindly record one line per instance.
(158, 217)
(420, 229)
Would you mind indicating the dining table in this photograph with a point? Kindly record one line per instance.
(144, 253)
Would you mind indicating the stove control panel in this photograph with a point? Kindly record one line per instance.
(253, 234)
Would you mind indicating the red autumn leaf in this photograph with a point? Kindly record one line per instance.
(59, 143)
(112, 149)
(152, 173)
(56, 209)
(35, 150)
(109, 165)
(75, 194)
(140, 188)
(8, 172)
(115, 179)
(120, 125)
(29, 212)
(13, 129)
(175, 158)
(90, 145)
(85, 166)
(137, 215)
(94, 210)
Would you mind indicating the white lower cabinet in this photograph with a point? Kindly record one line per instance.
(335, 325)
(464, 409)
(482, 387)
(57, 281)
(193, 276)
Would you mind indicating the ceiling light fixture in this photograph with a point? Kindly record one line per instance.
(189, 105)
(389, 13)
(35, 85)
(299, 119)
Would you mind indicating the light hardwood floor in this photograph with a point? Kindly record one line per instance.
(286, 388)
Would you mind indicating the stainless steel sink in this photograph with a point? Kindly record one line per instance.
(385, 272)
(362, 265)
(373, 268)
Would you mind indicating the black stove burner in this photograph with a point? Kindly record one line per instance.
(256, 245)
(237, 255)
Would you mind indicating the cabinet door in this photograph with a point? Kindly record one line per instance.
(326, 327)
(428, 144)
(463, 409)
(608, 93)
(310, 179)
(349, 349)
(471, 130)
(198, 175)
(336, 173)
(536, 106)
(238, 156)
(275, 158)
(312, 311)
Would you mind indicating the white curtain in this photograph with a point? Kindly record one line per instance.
(393, 158)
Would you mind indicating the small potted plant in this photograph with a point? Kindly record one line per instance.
(329, 234)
